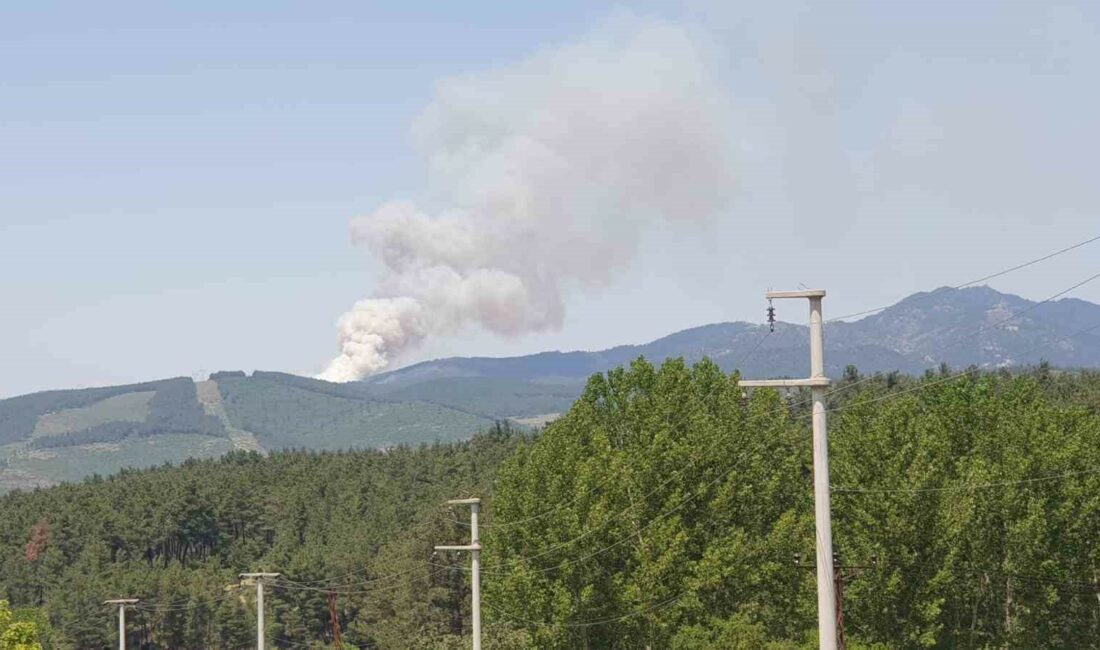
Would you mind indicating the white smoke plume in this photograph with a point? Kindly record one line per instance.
(547, 172)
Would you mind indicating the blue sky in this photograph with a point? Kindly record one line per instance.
(176, 180)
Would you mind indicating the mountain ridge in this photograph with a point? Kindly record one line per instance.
(57, 435)
(909, 336)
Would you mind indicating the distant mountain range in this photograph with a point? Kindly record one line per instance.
(960, 327)
(68, 434)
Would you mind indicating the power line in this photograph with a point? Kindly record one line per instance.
(923, 568)
(983, 328)
(834, 409)
(672, 477)
(956, 376)
(947, 379)
(601, 621)
(972, 282)
(652, 522)
(761, 340)
(336, 583)
(756, 347)
(1023, 311)
(970, 488)
(181, 605)
(657, 518)
(288, 584)
(847, 387)
(380, 589)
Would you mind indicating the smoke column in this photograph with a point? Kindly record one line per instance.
(543, 176)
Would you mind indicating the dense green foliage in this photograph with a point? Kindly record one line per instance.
(74, 463)
(67, 435)
(176, 537)
(663, 510)
(982, 499)
(19, 415)
(284, 411)
(681, 507)
(16, 632)
(173, 408)
(679, 510)
(128, 407)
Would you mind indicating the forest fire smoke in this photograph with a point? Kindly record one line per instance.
(546, 173)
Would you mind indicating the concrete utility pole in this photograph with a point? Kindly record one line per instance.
(475, 565)
(826, 595)
(122, 603)
(259, 579)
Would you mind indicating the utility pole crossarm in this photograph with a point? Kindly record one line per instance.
(474, 547)
(812, 382)
(259, 578)
(827, 612)
(122, 604)
(808, 293)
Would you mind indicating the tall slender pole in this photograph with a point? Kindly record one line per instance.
(260, 615)
(259, 579)
(475, 575)
(826, 596)
(475, 564)
(122, 603)
(817, 383)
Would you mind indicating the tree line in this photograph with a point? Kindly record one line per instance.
(667, 509)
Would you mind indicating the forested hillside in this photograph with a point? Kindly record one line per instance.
(46, 438)
(55, 436)
(664, 510)
(970, 502)
(285, 412)
(178, 537)
(67, 435)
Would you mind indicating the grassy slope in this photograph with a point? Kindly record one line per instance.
(19, 415)
(63, 420)
(301, 416)
(283, 411)
(128, 407)
(75, 463)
